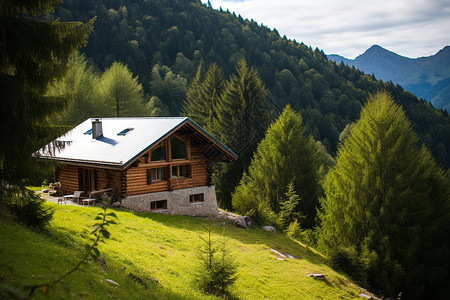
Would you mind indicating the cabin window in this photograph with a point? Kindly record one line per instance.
(88, 132)
(156, 205)
(197, 198)
(157, 173)
(159, 153)
(125, 131)
(180, 171)
(178, 148)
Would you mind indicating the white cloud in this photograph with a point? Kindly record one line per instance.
(411, 28)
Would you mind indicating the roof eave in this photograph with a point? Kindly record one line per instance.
(227, 150)
(94, 163)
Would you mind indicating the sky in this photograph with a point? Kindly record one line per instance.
(411, 28)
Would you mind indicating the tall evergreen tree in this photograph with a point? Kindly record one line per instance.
(193, 106)
(285, 157)
(122, 92)
(78, 85)
(203, 95)
(243, 115)
(33, 53)
(388, 199)
(243, 112)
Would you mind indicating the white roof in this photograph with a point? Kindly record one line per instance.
(113, 149)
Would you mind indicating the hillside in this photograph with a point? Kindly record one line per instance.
(155, 246)
(180, 35)
(426, 77)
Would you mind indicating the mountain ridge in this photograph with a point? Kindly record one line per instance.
(427, 77)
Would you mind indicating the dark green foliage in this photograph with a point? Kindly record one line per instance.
(388, 199)
(348, 261)
(170, 88)
(217, 269)
(194, 106)
(242, 111)
(33, 53)
(283, 179)
(25, 206)
(204, 95)
(242, 115)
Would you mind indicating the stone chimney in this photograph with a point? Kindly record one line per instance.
(97, 130)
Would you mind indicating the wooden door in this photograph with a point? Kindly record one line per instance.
(86, 180)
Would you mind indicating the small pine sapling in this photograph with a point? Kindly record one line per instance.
(217, 269)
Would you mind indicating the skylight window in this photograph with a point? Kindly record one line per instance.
(89, 131)
(125, 131)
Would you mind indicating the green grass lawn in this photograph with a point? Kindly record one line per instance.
(163, 247)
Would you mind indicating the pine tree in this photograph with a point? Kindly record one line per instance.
(217, 269)
(243, 112)
(387, 198)
(193, 106)
(122, 92)
(289, 207)
(78, 86)
(286, 156)
(242, 116)
(33, 53)
(203, 95)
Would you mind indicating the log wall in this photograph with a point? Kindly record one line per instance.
(133, 181)
(104, 178)
(68, 177)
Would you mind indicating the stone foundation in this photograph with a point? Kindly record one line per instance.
(177, 202)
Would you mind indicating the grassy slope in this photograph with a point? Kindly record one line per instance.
(164, 247)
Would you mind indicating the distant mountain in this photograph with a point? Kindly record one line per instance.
(426, 77)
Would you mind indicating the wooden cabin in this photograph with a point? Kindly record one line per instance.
(154, 164)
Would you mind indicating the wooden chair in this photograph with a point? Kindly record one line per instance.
(91, 200)
(76, 196)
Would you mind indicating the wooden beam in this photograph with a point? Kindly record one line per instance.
(168, 150)
(169, 179)
(188, 147)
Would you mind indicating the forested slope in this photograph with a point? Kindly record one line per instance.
(180, 34)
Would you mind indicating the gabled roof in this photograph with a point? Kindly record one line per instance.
(118, 147)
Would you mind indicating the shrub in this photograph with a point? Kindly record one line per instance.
(294, 231)
(347, 260)
(26, 207)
